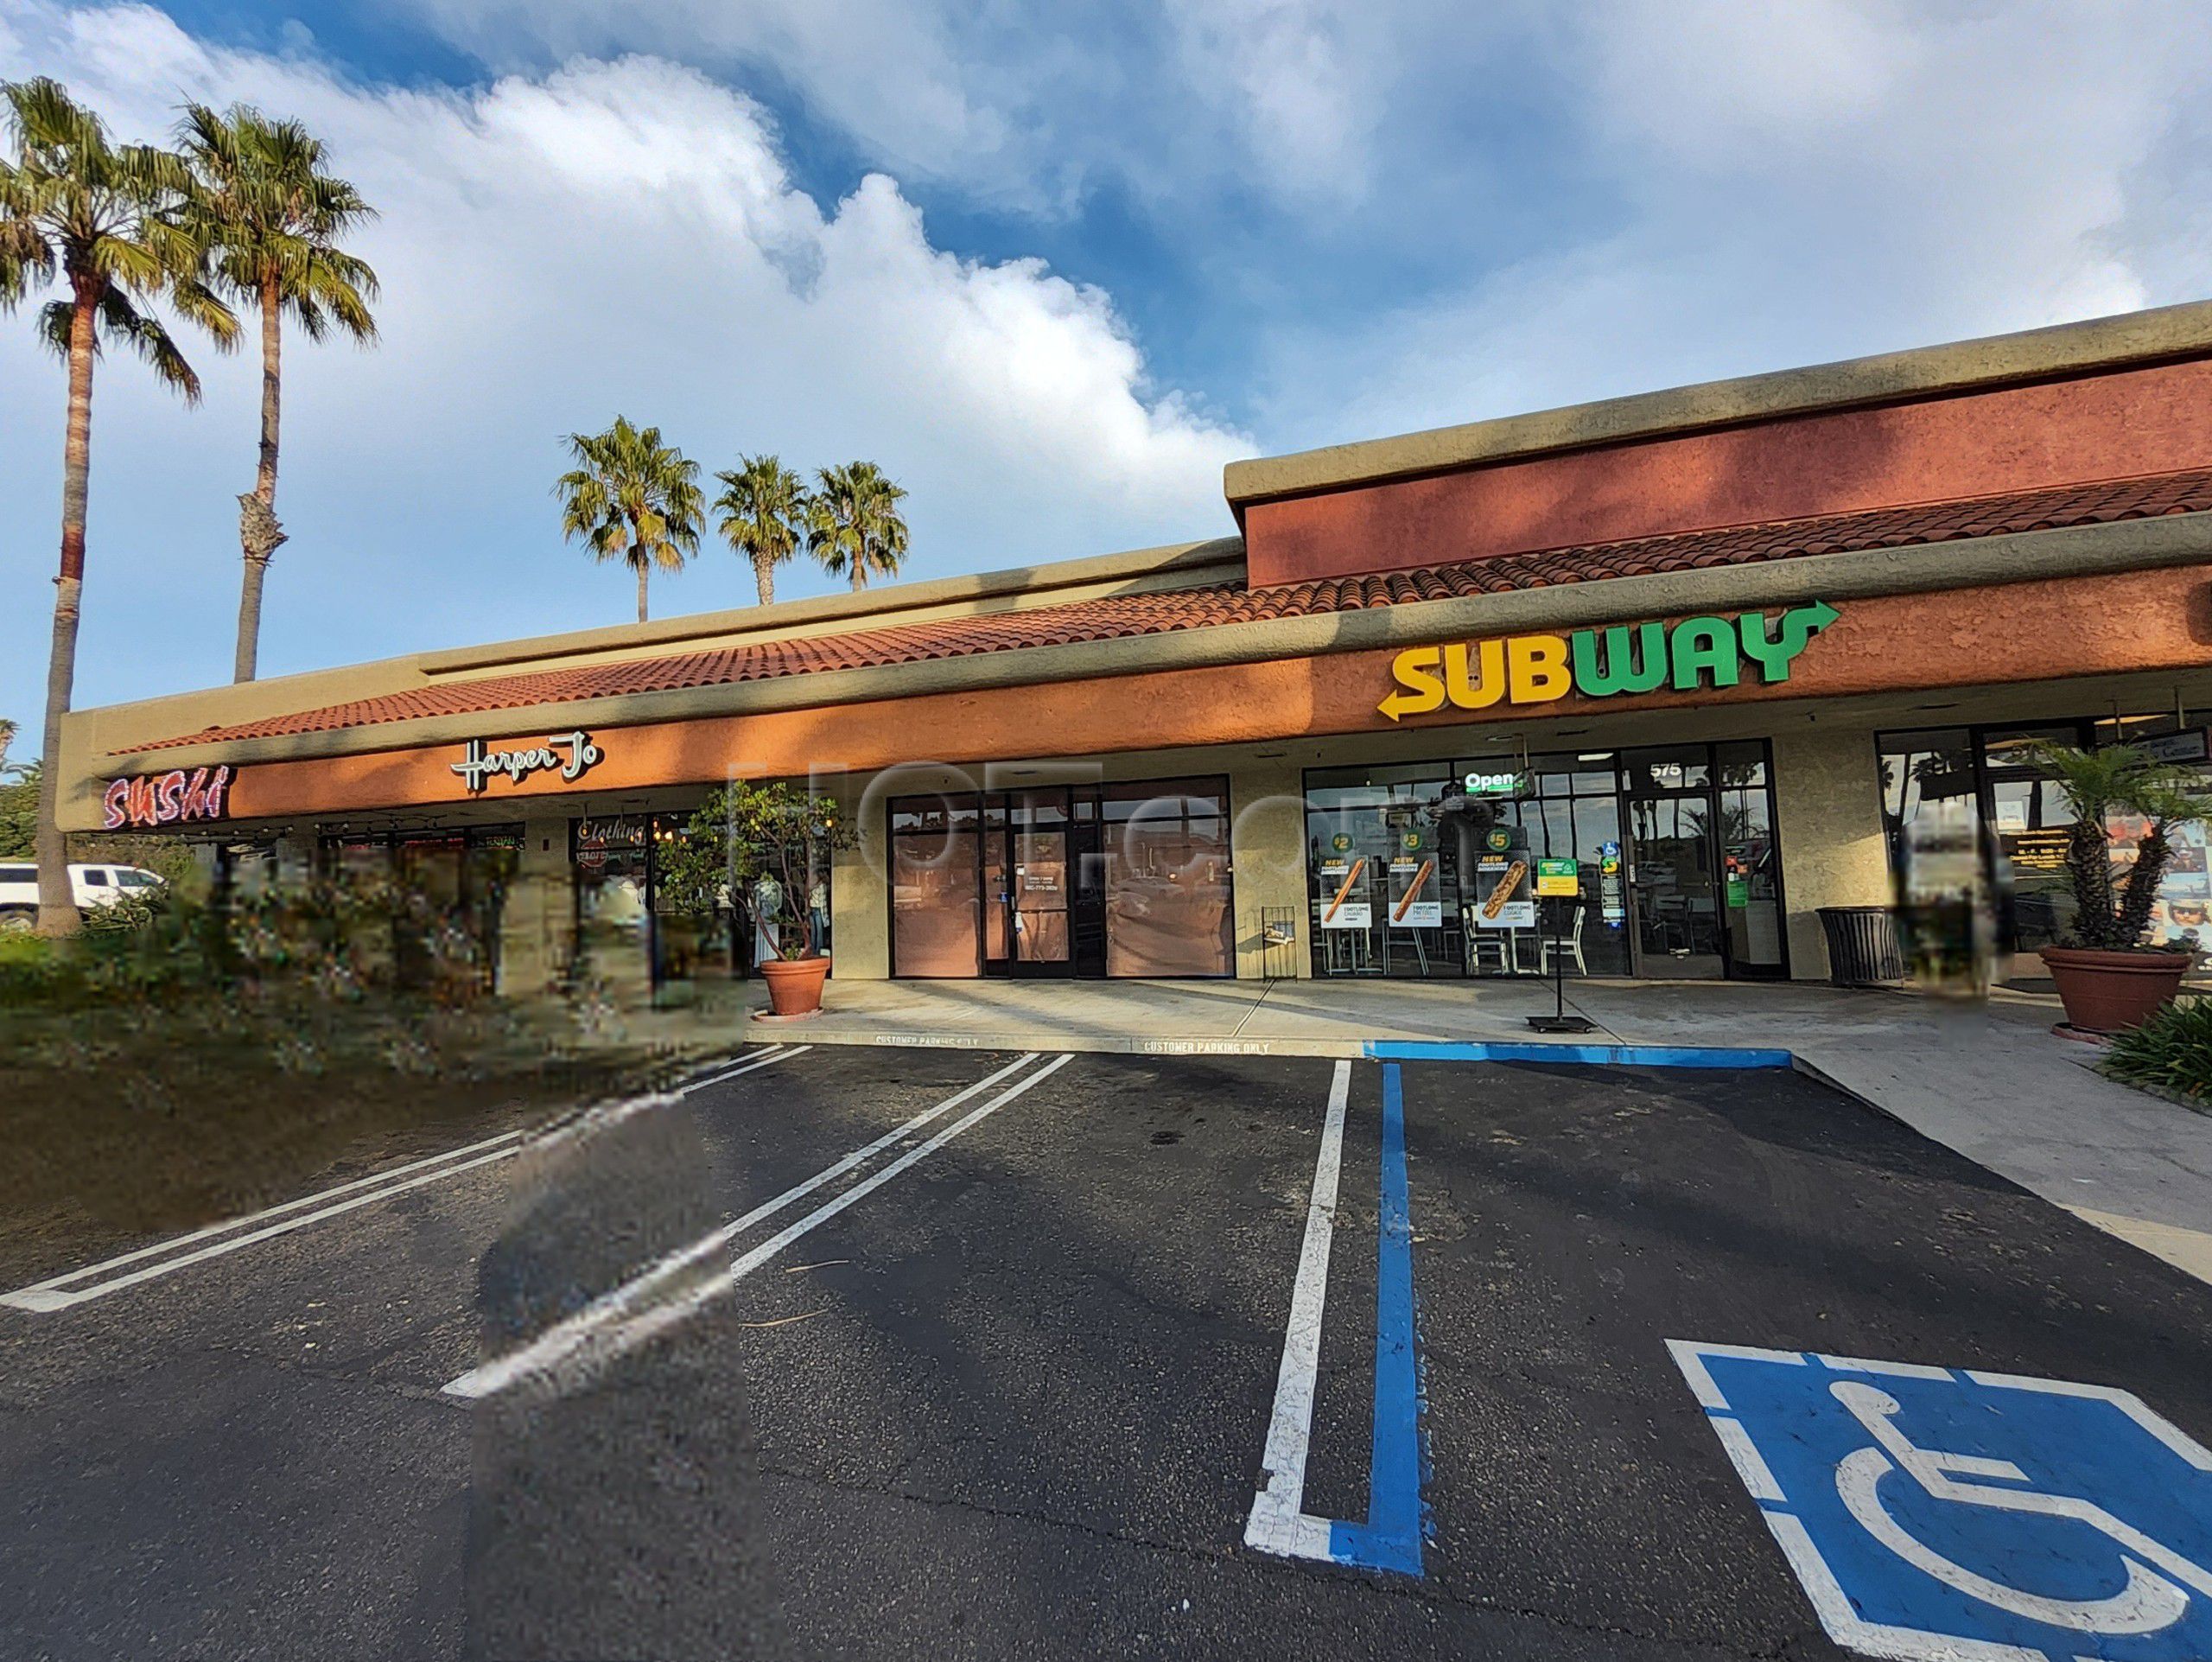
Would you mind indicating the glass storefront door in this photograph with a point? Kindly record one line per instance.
(1673, 888)
(1037, 881)
(1704, 869)
(1094, 879)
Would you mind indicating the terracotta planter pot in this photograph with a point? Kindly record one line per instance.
(795, 984)
(2104, 992)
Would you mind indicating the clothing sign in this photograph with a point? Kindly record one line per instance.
(1932, 1512)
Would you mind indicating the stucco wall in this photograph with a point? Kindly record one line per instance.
(1267, 848)
(537, 924)
(2113, 426)
(860, 906)
(1827, 800)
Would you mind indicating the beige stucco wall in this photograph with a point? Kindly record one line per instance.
(539, 923)
(860, 907)
(1827, 799)
(1267, 848)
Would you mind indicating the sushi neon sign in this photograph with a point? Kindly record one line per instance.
(1696, 654)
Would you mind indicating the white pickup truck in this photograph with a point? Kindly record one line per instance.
(94, 885)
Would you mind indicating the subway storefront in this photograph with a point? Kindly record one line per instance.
(1636, 689)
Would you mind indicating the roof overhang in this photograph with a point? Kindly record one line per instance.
(2148, 544)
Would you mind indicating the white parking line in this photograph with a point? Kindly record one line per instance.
(620, 1321)
(47, 1295)
(595, 1120)
(753, 1064)
(44, 1297)
(1279, 1522)
(60, 1292)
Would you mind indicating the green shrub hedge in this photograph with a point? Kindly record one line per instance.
(2172, 1050)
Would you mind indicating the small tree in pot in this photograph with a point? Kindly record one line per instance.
(2107, 978)
(764, 846)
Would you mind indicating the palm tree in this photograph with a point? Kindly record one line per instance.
(632, 498)
(109, 220)
(762, 510)
(853, 526)
(272, 217)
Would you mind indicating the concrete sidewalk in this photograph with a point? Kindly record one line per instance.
(1992, 1082)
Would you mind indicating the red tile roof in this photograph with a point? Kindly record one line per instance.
(1122, 616)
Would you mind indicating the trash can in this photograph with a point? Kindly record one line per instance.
(1862, 945)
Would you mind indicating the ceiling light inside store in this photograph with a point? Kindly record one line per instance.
(1593, 755)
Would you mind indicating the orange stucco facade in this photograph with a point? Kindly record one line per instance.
(2040, 631)
(2109, 426)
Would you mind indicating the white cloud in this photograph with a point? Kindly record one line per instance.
(1800, 183)
(610, 236)
(899, 74)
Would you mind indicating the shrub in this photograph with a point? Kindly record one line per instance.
(2172, 1050)
(30, 967)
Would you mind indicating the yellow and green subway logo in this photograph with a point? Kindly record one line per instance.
(1696, 654)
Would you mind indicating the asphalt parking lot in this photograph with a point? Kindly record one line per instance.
(932, 1351)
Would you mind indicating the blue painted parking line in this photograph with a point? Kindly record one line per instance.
(1390, 1539)
(1437, 1050)
(1940, 1515)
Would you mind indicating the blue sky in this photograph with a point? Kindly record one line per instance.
(1051, 265)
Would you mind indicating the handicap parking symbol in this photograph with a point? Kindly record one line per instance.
(1941, 1515)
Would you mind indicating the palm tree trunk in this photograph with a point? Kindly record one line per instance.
(252, 546)
(57, 899)
(764, 578)
(643, 572)
(859, 575)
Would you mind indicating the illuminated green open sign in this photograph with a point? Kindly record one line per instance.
(1508, 784)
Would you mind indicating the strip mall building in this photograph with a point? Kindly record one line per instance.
(1719, 645)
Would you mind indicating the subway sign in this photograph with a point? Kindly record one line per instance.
(1694, 654)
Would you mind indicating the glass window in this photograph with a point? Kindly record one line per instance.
(1164, 852)
(1919, 770)
(932, 813)
(613, 927)
(936, 898)
(95, 877)
(1657, 772)
(1382, 861)
(1742, 765)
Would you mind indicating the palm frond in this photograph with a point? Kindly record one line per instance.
(113, 218)
(144, 333)
(632, 496)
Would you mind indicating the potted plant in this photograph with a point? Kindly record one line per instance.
(2107, 979)
(764, 847)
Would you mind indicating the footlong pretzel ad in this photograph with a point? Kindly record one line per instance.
(1412, 891)
(1351, 877)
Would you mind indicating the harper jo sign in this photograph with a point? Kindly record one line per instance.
(572, 753)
